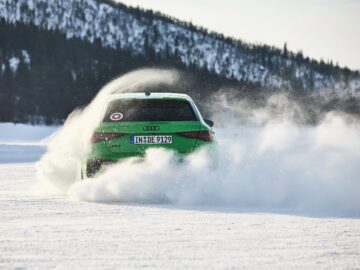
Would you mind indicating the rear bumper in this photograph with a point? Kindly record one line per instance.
(92, 165)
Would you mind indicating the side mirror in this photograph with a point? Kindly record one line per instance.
(209, 122)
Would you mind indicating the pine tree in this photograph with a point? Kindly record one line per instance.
(285, 50)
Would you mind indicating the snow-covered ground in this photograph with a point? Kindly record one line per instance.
(23, 143)
(47, 231)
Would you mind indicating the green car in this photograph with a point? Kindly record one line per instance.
(133, 122)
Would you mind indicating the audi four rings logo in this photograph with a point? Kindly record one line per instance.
(151, 128)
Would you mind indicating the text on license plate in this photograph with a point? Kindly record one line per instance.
(151, 139)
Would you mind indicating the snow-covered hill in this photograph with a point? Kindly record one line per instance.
(142, 32)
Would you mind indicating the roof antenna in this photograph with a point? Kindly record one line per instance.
(147, 94)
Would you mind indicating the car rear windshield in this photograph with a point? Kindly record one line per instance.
(149, 110)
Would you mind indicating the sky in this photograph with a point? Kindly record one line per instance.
(321, 29)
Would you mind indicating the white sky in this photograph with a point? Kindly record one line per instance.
(328, 29)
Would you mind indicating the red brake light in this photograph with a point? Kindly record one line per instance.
(202, 135)
(104, 136)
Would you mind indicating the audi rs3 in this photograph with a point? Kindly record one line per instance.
(131, 123)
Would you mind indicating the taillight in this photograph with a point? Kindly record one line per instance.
(104, 136)
(202, 135)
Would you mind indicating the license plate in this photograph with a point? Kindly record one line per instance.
(151, 139)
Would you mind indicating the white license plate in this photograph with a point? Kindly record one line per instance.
(151, 139)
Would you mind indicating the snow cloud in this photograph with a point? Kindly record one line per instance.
(266, 161)
(303, 169)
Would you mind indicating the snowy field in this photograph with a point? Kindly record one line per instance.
(60, 231)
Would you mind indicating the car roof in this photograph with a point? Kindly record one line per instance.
(151, 96)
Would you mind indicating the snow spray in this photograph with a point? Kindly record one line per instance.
(266, 160)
